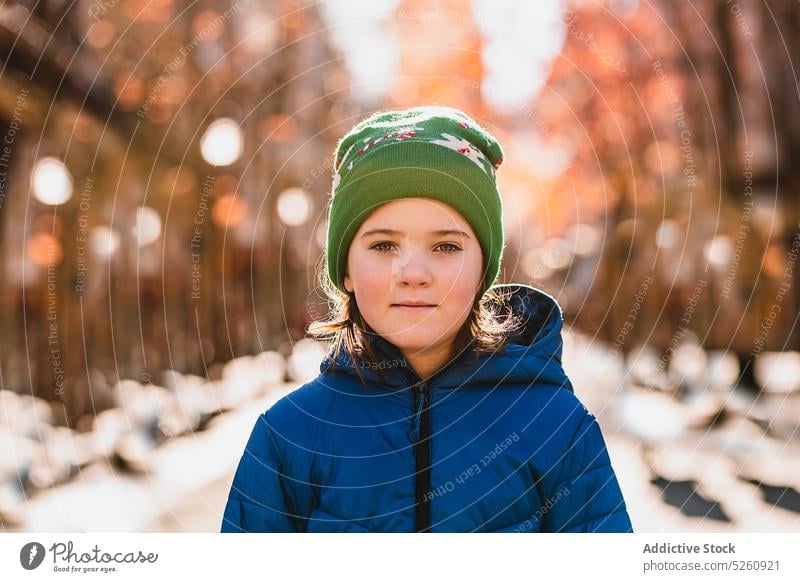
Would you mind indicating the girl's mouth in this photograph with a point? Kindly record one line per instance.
(413, 307)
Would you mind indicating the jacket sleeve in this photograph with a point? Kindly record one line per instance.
(583, 494)
(262, 497)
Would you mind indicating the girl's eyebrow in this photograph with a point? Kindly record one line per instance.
(390, 232)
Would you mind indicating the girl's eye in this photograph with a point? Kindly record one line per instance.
(453, 248)
(380, 247)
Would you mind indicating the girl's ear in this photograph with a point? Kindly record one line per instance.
(348, 284)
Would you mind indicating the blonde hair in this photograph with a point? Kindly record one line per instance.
(485, 330)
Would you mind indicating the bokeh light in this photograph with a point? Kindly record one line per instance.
(148, 226)
(228, 210)
(103, 241)
(52, 182)
(45, 249)
(294, 206)
(222, 142)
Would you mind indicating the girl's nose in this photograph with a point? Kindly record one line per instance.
(412, 268)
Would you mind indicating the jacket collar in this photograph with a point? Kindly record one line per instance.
(532, 355)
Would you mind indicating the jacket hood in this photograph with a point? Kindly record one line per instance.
(533, 353)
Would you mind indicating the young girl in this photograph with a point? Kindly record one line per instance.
(442, 405)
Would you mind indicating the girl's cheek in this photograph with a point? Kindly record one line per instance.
(369, 263)
(375, 278)
(455, 270)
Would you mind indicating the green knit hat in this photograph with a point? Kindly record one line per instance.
(433, 152)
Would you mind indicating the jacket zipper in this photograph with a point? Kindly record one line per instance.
(420, 435)
(416, 425)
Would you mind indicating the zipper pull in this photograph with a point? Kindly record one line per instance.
(414, 434)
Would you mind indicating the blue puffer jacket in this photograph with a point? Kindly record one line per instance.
(503, 445)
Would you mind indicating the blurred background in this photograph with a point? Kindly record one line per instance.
(164, 173)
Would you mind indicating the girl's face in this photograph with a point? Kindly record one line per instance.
(415, 250)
